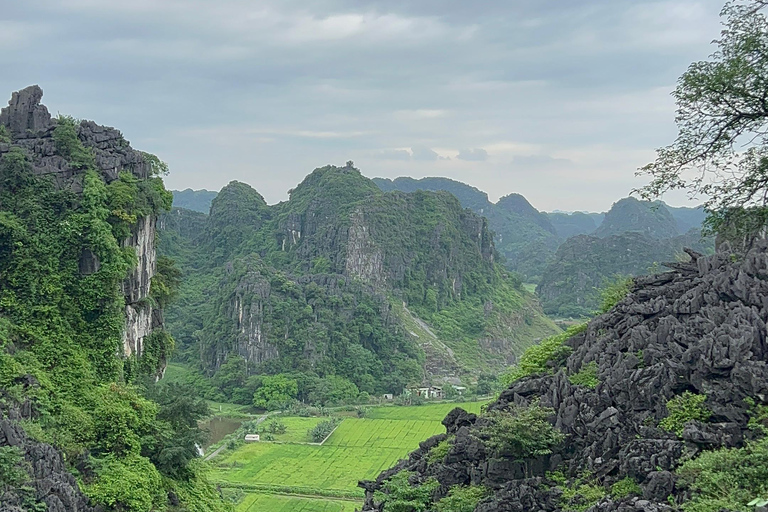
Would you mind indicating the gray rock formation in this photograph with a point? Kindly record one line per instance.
(31, 128)
(51, 483)
(698, 328)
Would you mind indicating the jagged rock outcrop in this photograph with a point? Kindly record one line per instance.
(31, 129)
(699, 328)
(50, 481)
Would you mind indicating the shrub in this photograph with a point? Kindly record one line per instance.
(13, 472)
(586, 377)
(400, 496)
(520, 432)
(323, 429)
(682, 409)
(440, 450)
(276, 427)
(536, 358)
(625, 487)
(462, 499)
(581, 495)
(129, 484)
(613, 292)
(728, 478)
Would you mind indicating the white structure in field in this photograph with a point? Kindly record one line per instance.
(251, 438)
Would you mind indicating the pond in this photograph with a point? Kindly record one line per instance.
(218, 428)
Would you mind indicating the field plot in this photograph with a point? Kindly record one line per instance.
(359, 449)
(281, 503)
(296, 428)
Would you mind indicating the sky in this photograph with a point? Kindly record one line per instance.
(560, 101)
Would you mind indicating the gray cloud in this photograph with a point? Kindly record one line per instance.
(473, 155)
(423, 153)
(265, 92)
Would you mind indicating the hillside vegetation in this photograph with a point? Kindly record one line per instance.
(314, 289)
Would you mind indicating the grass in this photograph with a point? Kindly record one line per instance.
(359, 449)
(280, 503)
(296, 428)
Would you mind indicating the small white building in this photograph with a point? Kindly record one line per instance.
(388, 396)
(251, 438)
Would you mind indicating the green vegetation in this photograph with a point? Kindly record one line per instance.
(257, 502)
(14, 471)
(544, 357)
(61, 328)
(440, 450)
(613, 292)
(399, 495)
(290, 276)
(728, 478)
(581, 495)
(586, 377)
(626, 487)
(275, 392)
(719, 105)
(322, 430)
(462, 498)
(520, 432)
(682, 409)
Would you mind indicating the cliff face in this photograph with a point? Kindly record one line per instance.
(31, 128)
(698, 329)
(311, 280)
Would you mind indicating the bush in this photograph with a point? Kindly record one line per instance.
(323, 429)
(13, 471)
(586, 377)
(462, 499)
(276, 427)
(625, 487)
(682, 409)
(131, 484)
(614, 292)
(400, 496)
(535, 360)
(440, 450)
(520, 432)
(728, 478)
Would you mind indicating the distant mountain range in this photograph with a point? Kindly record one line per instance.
(629, 239)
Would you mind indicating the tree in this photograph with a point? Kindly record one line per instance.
(275, 392)
(721, 150)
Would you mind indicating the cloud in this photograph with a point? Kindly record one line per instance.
(393, 154)
(423, 153)
(265, 92)
(473, 155)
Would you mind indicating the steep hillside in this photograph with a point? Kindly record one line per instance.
(524, 236)
(81, 324)
(327, 281)
(195, 200)
(584, 264)
(571, 224)
(652, 219)
(658, 405)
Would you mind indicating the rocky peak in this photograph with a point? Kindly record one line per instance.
(24, 113)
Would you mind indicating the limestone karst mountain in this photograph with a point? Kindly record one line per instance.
(337, 279)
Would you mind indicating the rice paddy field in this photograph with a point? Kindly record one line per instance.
(304, 477)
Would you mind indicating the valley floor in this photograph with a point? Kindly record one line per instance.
(291, 474)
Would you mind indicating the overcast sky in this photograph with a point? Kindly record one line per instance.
(557, 100)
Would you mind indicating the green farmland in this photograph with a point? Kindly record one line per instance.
(306, 477)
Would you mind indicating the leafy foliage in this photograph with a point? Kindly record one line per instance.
(720, 150)
(586, 377)
(543, 357)
(440, 450)
(682, 409)
(462, 498)
(400, 496)
(614, 292)
(519, 432)
(13, 472)
(626, 487)
(728, 478)
(323, 429)
(275, 392)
